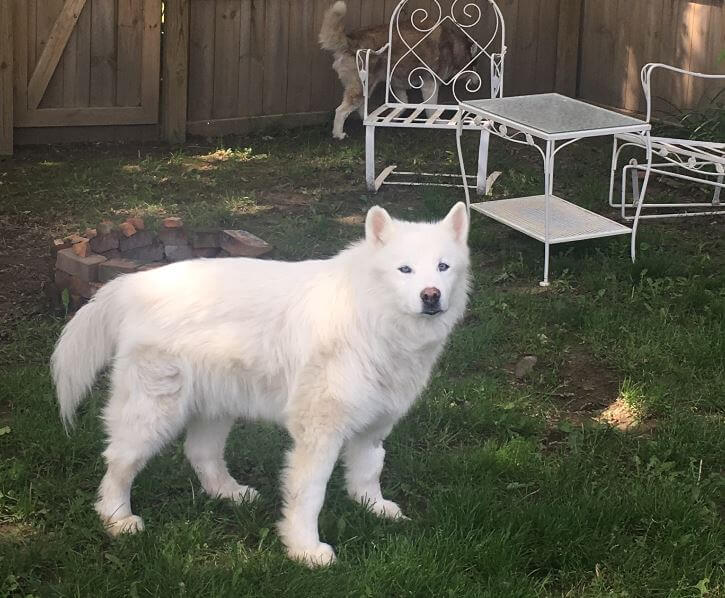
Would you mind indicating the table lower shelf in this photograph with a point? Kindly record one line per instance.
(567, 221)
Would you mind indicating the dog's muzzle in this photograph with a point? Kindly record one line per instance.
(431, 299)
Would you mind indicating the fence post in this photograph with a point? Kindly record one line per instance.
(6, 78)
(567, 46)
(175, 72)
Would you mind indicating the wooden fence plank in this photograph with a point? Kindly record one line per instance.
(567, 47)
(53, 51)
(151, 58)
(130, 50)
(201, 59)
(546, 47)
(48, 13)
(6, 78)
(301, 39)
(226, 58)
(176, 68)
(103, 53)
(245, 57)
(81, 78)
(255, 85)
(275, 56)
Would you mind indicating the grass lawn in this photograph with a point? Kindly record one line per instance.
(512, 487)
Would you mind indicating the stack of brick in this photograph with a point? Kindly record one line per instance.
(84, 263)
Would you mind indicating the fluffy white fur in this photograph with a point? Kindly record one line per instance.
(334, 350)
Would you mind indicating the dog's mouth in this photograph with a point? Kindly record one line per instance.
(431, 311)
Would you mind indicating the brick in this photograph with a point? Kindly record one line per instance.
(104, 242)
(205, 252)
(85, 268)
(90, 233)
(112, 268)
(240, 243)
(142, 238)
(150, 253)
(177, 253)
(137, 223)
(172, 222)
(61, 279)
(203, 239)
(105, 227)
(223, 253)
(57, 244)
(82, 248)
(127, 229)
(173, 236)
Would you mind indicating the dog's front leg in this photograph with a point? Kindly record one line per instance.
(309, 465)
(364, 455)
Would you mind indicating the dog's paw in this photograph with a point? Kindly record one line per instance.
(387, 509)
(321, 555)
(128, 525)
(237, 493)
(341, 135)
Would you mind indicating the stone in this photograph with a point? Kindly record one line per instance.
(111, 254)
(90, 233)
(204, 239)
(142, 238)
(240, 243)
(205, 252)
(177, 253)
(149, 253)
(112, 268)
(82, 248)
(151, 266)
(137, 223)
(127, 229)
(173, 236)
(85, 268)
(172, 222)
(104, 242)
(75, 285)
(104, 227)
(525, 366)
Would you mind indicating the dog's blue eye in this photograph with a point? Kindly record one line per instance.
(442, 267)
(405, 269)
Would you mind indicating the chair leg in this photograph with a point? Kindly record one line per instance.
(370, 157)
(718, 188)
(482, 176)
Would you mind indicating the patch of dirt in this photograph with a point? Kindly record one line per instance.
(589, 396)
(24, 270)
(588, 384)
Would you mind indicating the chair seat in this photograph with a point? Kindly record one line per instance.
(443, 116)
(694, 151)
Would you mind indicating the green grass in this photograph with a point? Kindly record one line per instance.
(512, 488)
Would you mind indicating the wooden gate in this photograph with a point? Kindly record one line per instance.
(86, 62)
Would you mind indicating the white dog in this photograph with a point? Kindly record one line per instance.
(334, 350)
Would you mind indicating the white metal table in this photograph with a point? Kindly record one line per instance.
(548, 122)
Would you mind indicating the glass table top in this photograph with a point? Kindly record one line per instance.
(552, 113)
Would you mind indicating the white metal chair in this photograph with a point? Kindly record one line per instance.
(684, 159)
(403, 54)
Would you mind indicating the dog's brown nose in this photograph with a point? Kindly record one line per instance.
(430, 295)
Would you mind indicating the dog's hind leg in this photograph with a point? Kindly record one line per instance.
(142, 415)
(364, 455)
(430, 91)
(204, 447)
(352, 100)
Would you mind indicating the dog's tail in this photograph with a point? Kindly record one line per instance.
(332, 33)
(86, 344)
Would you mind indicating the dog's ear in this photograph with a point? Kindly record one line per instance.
(379, 226)
(457, 222)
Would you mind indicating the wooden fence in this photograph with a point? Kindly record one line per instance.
(147, 69)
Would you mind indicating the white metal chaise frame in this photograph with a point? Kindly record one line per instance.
(684, 159)
(428, 114)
